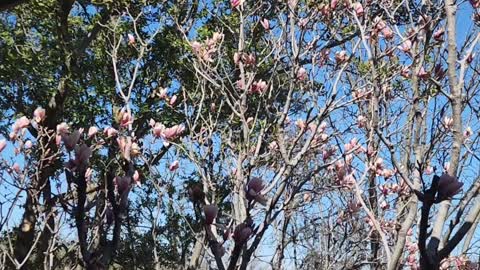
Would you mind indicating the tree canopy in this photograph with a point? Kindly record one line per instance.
(239, 134)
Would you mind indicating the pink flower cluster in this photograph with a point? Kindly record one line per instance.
(19, 127)
(343, 174)
(258, 87)
(160, 131)
(458, 262)
(205, 50)
(247, 59)
(382, 27)
(412, 250)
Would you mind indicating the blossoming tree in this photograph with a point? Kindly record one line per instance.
(239, 134)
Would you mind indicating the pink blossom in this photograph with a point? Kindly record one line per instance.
(88, 174)
(387, 173)
(213, 107)
(126, 118)
(210, 212)
(312, 127)
(125, 146)
(151, 123)
(307, 197)
(236, 3)
(405, 72)
(302, 74)
(174, 166)
(131, 39)
(110, 132)
(16, 168)
(361, 121)
(39, 114)
(163, 93)
(340, 169)
(406, 46)
(412, 260)
(379, 162)
(341, 56)
(396, 188)
(322, 127)
(369, 221)
(357, 6)
(28, 144)
(353, 207)
(236, 58)
(349, 159)
(173, 132)
(3, 144)
(326, 154)
(438, 35)
(62, 128)
(370, 151)
(387, 33)
(448, 186)
(379, 23)
(303, 22)
(422, 74)
(58, 139)
(136, 178)
(92, 131)
(196, 47)
(469, 58)
(157, 129)
(239, 84)
(348, 181)
(385, 189)
(360, 94)
(301, 124)
(323, 137)
(467, 133)
(248, 59)
(448, 122)
(333, 4)
(429, 170)
(265, 23)
(351, 145)
(217, 37)
(475, 3)
(383, 203)
(21, 123)
(172, 100)
(378, 166)
(258, 87)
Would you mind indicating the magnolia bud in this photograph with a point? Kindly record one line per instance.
(211, 212)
